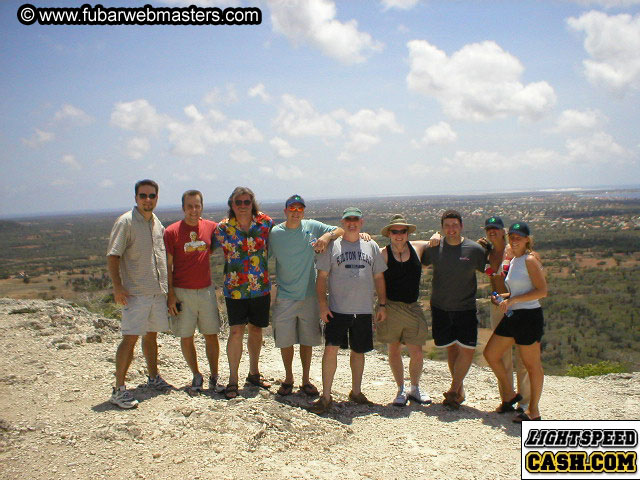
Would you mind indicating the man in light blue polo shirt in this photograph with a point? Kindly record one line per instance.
(293, 244)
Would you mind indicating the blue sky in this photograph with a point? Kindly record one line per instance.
(325, 98)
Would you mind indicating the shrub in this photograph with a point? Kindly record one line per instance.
(593, 369)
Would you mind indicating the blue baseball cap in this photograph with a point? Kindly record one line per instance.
(493, 222)
(520, 228)
(294, 199)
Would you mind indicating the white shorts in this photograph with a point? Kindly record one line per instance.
(143, 314)
(296, 322)
(198, 307)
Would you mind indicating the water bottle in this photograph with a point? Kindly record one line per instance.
(500, 300)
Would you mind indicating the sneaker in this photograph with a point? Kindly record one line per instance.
(196, 383)
(123, 398)
(401, 398)
(416, 395)
(157, 383)
(214, 385)
(360, 399)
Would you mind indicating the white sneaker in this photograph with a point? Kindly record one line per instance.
(123, 398)
(416, 395)
(401, 398)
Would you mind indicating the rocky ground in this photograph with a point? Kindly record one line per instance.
(56, 371)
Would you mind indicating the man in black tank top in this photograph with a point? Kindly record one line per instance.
(405, 323)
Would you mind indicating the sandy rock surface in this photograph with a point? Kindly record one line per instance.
(56, 372)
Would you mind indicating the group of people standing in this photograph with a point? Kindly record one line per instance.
(328, 280)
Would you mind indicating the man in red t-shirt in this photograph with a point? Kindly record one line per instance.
(192, 297)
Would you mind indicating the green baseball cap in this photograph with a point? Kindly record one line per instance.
(351, 212)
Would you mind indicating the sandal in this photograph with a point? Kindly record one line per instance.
(285, 389)
(320, 406)
(523, 417)
(231, 391)
(309, 389)
(508, 406)
(258, 380)
(453, 400)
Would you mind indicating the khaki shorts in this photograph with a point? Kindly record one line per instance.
(199, 307)
(143, 314)
(405, 323)
(296, 322)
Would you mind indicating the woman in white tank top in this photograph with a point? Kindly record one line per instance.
(522, 323)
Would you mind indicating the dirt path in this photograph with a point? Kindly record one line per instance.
(56, 369)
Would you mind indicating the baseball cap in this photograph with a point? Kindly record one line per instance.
(493, 222)
(520, 228)
(351, 212)
(294, 199)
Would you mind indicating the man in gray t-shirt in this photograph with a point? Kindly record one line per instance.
(453, 299)
(353, 269)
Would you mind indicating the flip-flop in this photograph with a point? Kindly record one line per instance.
(453, 400)
(285, 389)
(508, 405)
(231, 391)
(321, 406)
(309, 389)
(258, 380)
(523, 417)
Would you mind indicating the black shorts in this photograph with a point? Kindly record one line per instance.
(353, 331)
(454, 327)
(525, 326)
(249, 310)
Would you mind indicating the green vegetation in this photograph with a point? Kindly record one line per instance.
(591, 369)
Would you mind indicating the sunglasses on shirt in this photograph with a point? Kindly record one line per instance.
(398, 232)
(239, 203)
(143, 196)
(295, 209)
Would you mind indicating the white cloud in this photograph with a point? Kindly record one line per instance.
(282, 172)
(60, 182)
(259, 90)
(400, 4)
(297, 117)
(70, 161)
(70, 114)
(202, 133)
(209, 177)
(370, 121)
(613, 43)
(242, 156)
(226, 96)
(576, 120)
(138, 147)
(138, 116)
(106, 183)
(38, 138)
(313, 22)
(284, 149)
(478, 82)
(598, 148)
(439, 134)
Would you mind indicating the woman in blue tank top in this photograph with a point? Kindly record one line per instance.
(522, 323)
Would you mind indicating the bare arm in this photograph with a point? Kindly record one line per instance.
(381, 291)
(320, 244)
(171, 297)
(119, 293)
(321, 293)
(534, 267)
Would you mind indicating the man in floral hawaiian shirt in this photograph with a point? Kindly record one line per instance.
(243, 237)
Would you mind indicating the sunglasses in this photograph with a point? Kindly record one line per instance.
(399, 232)
(143, 196)
(239, 203)
(295, 209)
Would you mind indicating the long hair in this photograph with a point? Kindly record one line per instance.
(242, 191)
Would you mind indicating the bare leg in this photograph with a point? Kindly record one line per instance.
(357, 369)
(189, 353)
(395, 362)
(531, 357)
(493, 353)
(150, 350)
(287, 360)
(329, 366)
(306, 352)
(212, 347)
(124, 355)
(234, 351)
(254, 345)
(462, 358)
(416, 362)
